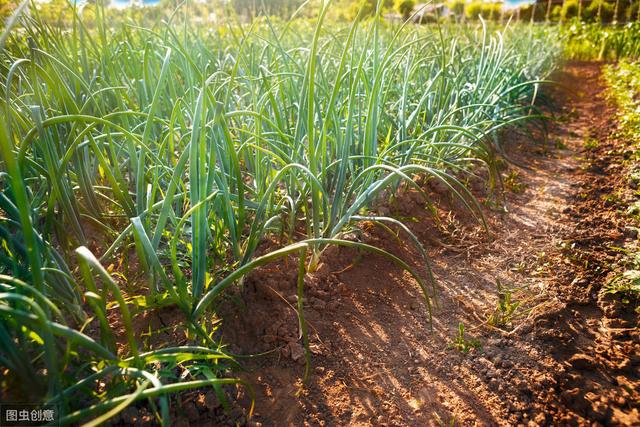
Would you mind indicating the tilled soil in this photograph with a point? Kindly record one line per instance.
(567, 354)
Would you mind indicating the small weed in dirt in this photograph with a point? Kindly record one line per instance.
(520, 267)
(612, 199)
(464, 344)
(591, 144)
(634, 178)
(574, 255)
(495, 205)
(560, 145)
(634, 210)
(502, 316)
(441, 423)
(626, 286)
(542, 264)
(514, 183)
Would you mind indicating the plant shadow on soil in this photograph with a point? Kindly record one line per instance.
(376, 359)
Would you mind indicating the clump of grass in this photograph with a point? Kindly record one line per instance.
(591, 144)
(513, 182)
(560, 145)
(626, 286)
(634, 177)
(506, 308)
(464, 344)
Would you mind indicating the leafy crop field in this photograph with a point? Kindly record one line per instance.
(151, 169)
(586, 41)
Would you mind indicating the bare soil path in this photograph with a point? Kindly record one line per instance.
(566, 356)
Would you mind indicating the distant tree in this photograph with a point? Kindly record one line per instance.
(54, 12)
(457, 7)
(367, 8)
(473, 9)
(405, 8)
(492, 11)
(569, 10)
(253, 8)
(481, 8)
(632, 12)
(533, 12)
(6, 7)
(598, 11)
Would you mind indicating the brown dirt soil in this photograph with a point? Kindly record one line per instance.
(568, 355)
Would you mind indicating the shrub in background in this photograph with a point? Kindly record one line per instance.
(598, 11)
(405, 8)
(569, 10)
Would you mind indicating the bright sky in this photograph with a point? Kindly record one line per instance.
(514, 3)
